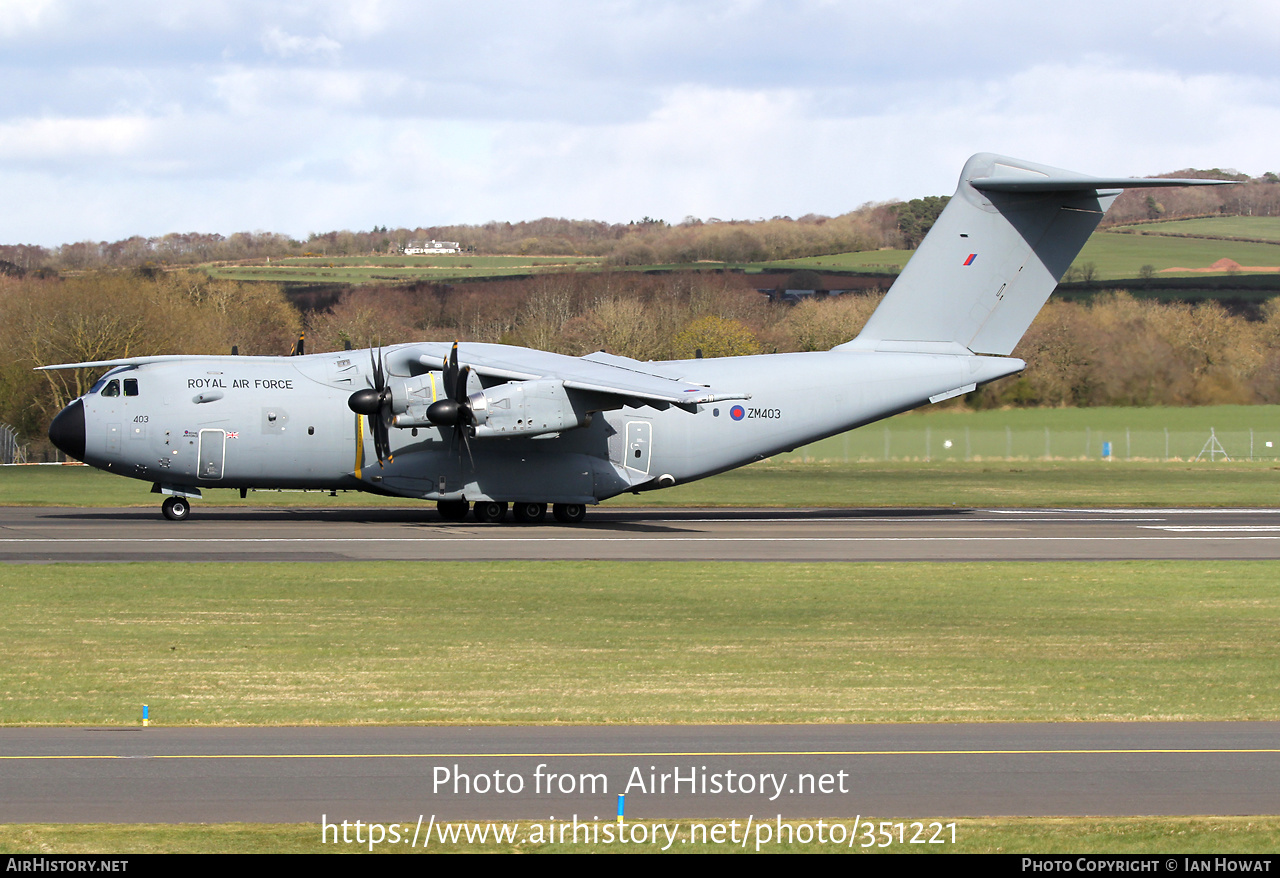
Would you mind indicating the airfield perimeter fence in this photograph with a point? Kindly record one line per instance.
(927, 443)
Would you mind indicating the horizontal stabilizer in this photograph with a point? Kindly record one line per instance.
(1085, 184)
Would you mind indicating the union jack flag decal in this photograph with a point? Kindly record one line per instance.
(232, 435)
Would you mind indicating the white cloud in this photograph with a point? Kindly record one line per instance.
(277, 42)
(228, 115)
(19, 17)
(91, 140)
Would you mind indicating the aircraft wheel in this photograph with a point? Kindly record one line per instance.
(569, 513)
(529, 513)
(490, 512)
(453, 510)
(176, 508)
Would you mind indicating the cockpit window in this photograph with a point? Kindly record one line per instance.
(112, 388)
(131, 387)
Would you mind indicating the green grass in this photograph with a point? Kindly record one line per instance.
(1019, 835)
(1264, 228)
(653, 642)
(1114, 254)
(1119, 256)
(399, 269)
(1156, 433)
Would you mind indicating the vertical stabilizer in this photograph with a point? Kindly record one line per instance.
(993, 257)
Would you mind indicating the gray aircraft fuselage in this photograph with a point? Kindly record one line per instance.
(283, 422)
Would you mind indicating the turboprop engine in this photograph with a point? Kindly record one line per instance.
(525, 408)
(517, 408)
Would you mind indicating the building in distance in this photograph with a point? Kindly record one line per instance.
(419, 248)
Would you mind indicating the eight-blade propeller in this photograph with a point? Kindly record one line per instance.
(454, 411)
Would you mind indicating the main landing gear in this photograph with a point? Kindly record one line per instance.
(453, 510)
(491, 512)
(569, 513)
(176, 508)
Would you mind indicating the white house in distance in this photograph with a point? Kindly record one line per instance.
(419, 249)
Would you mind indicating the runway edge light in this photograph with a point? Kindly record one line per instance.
(145, 720)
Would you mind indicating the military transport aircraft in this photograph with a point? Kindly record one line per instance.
(476, 427)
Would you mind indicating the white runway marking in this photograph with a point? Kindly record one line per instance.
(1189, 528)
(665, 539)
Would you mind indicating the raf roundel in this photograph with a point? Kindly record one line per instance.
(737, 413)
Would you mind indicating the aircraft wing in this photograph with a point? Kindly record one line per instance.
(596, 373)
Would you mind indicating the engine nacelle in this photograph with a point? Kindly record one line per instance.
(525, 408)
(411, 397)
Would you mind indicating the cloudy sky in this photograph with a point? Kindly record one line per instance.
(155, 116)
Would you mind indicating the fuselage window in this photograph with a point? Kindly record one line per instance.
(131, 387)
(112, 388)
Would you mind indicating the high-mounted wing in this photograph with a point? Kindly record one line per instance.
(631, 380)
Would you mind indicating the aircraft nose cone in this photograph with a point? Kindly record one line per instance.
(67, 430)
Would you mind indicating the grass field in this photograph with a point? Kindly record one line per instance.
(1038, 835)
(1263, 228)
(399, 269)
(1156, 433)
(1120, 256)
(652, 642)
(1114, 255)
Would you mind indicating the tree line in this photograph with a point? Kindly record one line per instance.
(647, 241)
(1113, 350)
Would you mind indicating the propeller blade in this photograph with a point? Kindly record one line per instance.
(451, 370)
(459, 394)
(375, 404)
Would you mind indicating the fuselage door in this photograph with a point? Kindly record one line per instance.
(638, 436)
(211, 453)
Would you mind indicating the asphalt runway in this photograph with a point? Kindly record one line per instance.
(243, 534)
(875, 771)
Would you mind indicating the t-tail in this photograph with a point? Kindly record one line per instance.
(993, 257)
